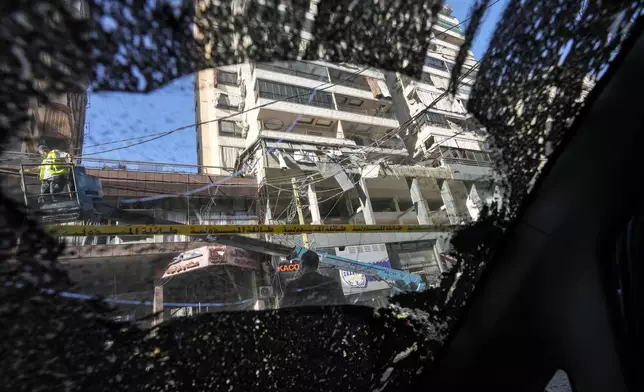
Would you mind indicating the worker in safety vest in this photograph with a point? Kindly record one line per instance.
(54, 172)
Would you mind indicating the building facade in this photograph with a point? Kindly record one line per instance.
(60, 123)
(330, 143)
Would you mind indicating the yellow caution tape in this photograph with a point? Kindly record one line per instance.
(202, 230)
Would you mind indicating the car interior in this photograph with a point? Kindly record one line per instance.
(564, 292)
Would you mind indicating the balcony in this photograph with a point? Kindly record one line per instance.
(459, 156)
(378, 143)
(304, 99)
(448, 25)
(303, 70)
(349, 80)
(313, 137)
(231, 102)
(448, 32)
(368, 112)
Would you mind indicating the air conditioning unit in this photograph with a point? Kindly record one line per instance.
(242, 88)
(265, 291)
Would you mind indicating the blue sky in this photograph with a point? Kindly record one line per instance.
(118, 116)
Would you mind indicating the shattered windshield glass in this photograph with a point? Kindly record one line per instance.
(166, 164)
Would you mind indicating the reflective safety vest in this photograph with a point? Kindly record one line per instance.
(54, 164)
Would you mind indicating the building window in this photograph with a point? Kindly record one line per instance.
(230, 129)
(436, 119)
(435, 63)
(305, 120)
(464, 89)
(227, 78)
(226, 101)
(229, 156)
(324, 123)
(429, 142)
(300, 95)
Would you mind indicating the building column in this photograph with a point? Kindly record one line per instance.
(398, 210)
(367, 209)
(339, 131)
(439, 247)
(479, 196)
(258, 304)
(268, 214)
(422, 208)
(157, 306)
(316, 218)
(347, 202)
(454, 195)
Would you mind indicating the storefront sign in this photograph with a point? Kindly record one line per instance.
(288, 268)
(294, 267)
(359, 280)
(187, 261)
(353, 283)
(211, 256)
(241, 258)
(227, 255)
(216, 254)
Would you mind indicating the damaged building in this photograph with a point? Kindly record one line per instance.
(346, 144)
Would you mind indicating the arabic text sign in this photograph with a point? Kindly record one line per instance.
(241, 258)
(204, 230)
(228, 255)
(210, 256)
(187, 261)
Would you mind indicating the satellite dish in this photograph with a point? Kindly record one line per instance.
(274, 124)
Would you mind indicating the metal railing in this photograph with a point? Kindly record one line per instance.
(141, 166)
(353, 84)
(229, 102)
(300, 99)
(368, 112)
(467, 162)
(292, 71)
(27, 183)
(327, 133)
(452, 26)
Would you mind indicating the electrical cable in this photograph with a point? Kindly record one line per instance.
(402, 127)
(163, 134)
(237, 173)
(290, 128)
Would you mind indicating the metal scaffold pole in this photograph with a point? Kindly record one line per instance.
(300, 213)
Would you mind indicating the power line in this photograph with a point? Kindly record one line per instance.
(241, 171)
(164, 134)
(390, 135)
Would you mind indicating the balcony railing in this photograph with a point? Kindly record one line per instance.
(395, 144)
(300, 100)
(467, 162)
(351, 83)
(447, 155)
(292, 71)
(368, 112)
(447, 25)
(306, 132)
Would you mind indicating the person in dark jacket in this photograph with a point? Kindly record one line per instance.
(311, 287)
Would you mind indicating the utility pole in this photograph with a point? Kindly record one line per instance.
(300, 213)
